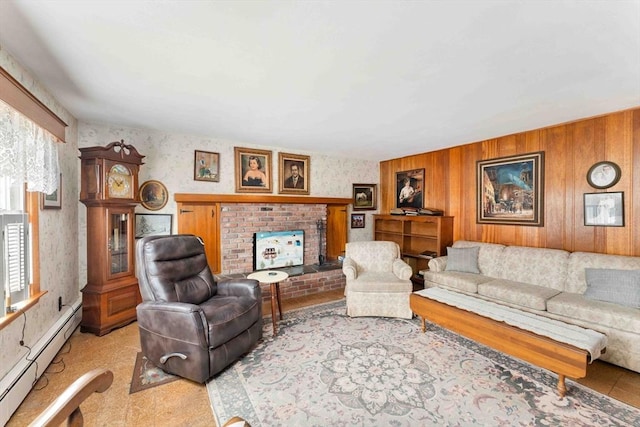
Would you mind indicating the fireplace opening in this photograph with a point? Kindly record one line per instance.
(278, 249)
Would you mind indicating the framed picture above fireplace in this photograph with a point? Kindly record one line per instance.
(293, 173)
(253, 170)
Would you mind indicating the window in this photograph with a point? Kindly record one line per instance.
(28, 135)
(15, 248)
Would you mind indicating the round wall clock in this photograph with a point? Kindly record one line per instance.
(603, 175)
(153, 195)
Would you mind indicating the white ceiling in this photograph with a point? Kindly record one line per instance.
(376, 79)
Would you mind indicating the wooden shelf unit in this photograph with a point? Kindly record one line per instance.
(416, 234)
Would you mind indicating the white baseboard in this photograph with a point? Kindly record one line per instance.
(19, 381)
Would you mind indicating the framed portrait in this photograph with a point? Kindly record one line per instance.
(603, 175)
(604, 209)
(357, 220)
(253, 170)
(53, 200)
(294, 173)
(153, 225)
(153, 195)
(409, 188)
(206, 166)
(364, 197)
(510, 190)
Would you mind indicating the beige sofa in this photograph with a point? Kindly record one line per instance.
(552, 283)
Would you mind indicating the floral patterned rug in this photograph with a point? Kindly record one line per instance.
(326, 369)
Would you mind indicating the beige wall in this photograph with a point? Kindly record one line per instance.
(570, 150)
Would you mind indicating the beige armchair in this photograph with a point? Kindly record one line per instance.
(377, 280)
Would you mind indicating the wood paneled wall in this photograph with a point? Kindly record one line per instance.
(570, 150)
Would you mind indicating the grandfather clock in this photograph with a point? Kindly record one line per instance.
(109, 190)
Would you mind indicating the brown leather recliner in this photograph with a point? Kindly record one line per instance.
(191, 325)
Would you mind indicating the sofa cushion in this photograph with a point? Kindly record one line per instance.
(464, 260)
(580, 261)
(489, 257)
(463, 282)
(522, 294)
(535, 266)
(610, 285)
(577, 306)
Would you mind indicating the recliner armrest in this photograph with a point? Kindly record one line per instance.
(173, 320)
(349, 268)
(240, 287)
(401, 269)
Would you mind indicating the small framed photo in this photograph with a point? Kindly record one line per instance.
(53, 200)
(206, 166)
(409, 188)
(604, 209)
(364, 197)
(253, 170)
(603, 175)
(153, 225)
(294, 173)
(153, 195)
(357, 220)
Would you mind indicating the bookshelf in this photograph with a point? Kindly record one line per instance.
(415, 235)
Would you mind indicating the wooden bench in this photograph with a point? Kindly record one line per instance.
(560, 358)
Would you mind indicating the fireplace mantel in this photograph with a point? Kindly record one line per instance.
(257, 198)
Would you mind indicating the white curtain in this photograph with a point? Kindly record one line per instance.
(28, 153)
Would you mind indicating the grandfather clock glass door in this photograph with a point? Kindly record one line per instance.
(119, 240)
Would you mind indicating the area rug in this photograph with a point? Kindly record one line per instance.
(326, 369)
(147, 375)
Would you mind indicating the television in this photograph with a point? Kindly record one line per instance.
(278, 249)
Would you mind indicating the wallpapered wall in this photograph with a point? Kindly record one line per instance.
(58, 237)
(170, 160)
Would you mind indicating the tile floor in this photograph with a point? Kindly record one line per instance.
(185, 403)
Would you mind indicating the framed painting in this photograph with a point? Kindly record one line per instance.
(206, 166)
(604, 209)
(510, 190)
(294, 173)
(153, 195)
(357, 220)
(364, 197)
(153, 225)
(603, 175)
(253, 170)
(409, 188)
(53, 200)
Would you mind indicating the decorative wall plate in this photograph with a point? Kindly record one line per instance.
(153, 195)
(603, 175)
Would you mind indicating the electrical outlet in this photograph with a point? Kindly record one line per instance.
(59, 303)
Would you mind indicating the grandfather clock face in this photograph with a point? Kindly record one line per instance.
(120, 182)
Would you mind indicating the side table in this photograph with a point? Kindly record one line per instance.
(273, 278)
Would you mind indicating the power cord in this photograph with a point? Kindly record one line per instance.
(22, 344)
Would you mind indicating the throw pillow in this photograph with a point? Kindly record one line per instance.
(464, 260)
(617, 286)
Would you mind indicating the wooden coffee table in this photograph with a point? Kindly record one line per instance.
(560, 358)
(273, 278)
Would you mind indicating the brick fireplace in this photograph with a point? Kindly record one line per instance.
(238, 223)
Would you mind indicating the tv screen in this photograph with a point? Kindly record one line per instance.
(277, 249)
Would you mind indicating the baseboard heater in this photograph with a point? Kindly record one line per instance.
(18, 382)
